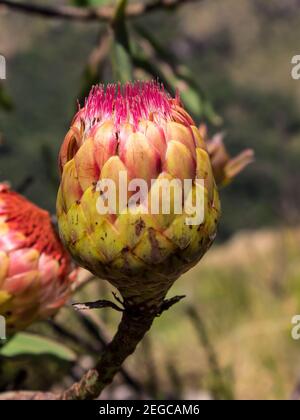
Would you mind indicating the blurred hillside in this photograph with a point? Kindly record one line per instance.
(240, 51)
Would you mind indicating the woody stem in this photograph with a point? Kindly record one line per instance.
(133, 326)
(136, 321)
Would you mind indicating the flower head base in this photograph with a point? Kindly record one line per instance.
(35, 270)
(141, 131)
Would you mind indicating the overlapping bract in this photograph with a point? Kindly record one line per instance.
(35, 270)
(141, 130)
(225, 167)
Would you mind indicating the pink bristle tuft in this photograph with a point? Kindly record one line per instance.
(131, 103)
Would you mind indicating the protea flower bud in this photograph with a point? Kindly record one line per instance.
(138, 131)
(35, 270)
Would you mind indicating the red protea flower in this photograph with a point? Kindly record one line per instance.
(35, 270)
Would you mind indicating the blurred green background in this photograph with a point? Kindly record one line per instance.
(238, 53)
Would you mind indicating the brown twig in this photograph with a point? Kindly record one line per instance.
(93, 346)
(95, 326)
(96, 305)
(92, 14)
(135, 323)
(131, 330)
(27, 395)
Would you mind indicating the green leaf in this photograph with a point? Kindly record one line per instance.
(90, 77)
(81, 3)
(180, 77)
(121, 63)
(49, 160)
(121, 51)
(5, 101)
(91, 3)
(31, 344)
